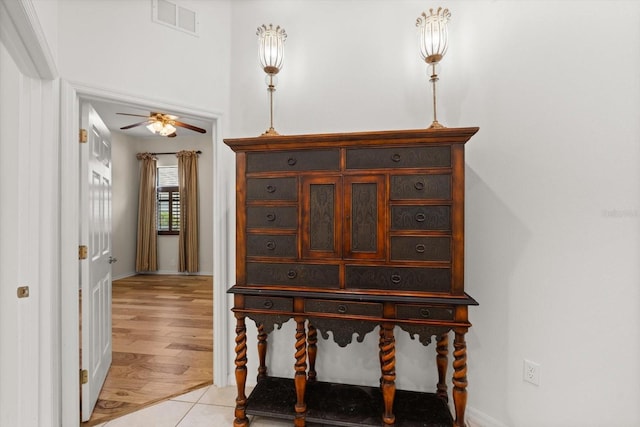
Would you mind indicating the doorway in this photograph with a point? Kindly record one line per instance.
(71, 96)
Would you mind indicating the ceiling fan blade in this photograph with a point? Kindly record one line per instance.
(188, 126)
(171, 135)
(135, 124)
(136, 115)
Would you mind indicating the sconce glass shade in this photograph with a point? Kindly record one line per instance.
(433, 34)
(271, 48)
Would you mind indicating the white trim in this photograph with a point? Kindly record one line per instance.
(24, 38)
(71, 94)
(476, 418)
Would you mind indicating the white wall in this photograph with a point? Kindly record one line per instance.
(125, 204)
(115, 45)
(553, 188)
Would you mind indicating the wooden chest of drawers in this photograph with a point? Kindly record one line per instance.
(346, 233)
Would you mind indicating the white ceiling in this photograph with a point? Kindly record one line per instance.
(107, 111)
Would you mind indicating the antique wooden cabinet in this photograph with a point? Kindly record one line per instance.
(345, 233)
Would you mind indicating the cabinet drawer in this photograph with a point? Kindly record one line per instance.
(420, 187)
(421, 248)
(293, 274)
(425, 279)
(421, 218)
(304, 160)
(268, 303)
(272, 245)
(280, 217)
(414, 157)
(410, 311)
(342, 307)
(272, 189)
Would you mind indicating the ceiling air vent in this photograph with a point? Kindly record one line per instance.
(175, 16)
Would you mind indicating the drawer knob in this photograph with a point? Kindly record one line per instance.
(420, 217)
(271, 245)
(342, 309)
(291, 274)
(395, 157)
(425, 313)
(419, 185)
(268, 304)
(271, 188)
(271, 217)
(395, 278)
(291, 161)
(420, 248)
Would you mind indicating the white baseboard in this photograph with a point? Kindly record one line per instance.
(476, 418)
(123, 276)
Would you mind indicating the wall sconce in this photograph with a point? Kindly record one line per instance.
(434, 39)
(271, 51)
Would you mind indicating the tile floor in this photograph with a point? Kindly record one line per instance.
(204, 407)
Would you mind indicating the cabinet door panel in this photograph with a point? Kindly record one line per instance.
(420, 187)
(321, 217)
(420, 248)
(399, 157)
(276, 217)
(272, 189)
(421, 218)
(272, 245)
(365, 214)
(293, 274)
(410, 311)
(304, 160)
(425, 279)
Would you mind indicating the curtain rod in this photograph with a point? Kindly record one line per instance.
(174, 152)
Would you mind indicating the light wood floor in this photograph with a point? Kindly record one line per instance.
(162, 342)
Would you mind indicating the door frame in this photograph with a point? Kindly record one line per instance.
(71, 94)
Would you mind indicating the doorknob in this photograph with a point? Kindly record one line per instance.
(112, 260)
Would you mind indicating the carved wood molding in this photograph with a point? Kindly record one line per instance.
(343, 331)
(269, 321)
(424, 332)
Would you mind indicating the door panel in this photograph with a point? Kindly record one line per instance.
(95, 270)
(365, 213)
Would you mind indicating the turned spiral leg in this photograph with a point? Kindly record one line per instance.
(241, 419)
(460, 375)
(300, 378)
(388, 367)
(262, 352)
(442, 349)
(312, 351)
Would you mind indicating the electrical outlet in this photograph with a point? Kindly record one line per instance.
(531, 372)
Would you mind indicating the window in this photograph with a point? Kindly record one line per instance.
(168, 200)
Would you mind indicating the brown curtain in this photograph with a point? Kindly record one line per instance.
(188, 186)
(147, 248)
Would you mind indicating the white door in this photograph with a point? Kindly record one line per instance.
(95, 270)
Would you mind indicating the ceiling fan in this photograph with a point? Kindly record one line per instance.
(162, 124)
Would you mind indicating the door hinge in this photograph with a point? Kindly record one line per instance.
(84, 376)
(83, 135)
(82, 252)
(23, 292)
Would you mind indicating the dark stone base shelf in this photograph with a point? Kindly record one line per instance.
(330, 404)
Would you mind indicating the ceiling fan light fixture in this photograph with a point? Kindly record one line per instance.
(167, 130)
(162, 129)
